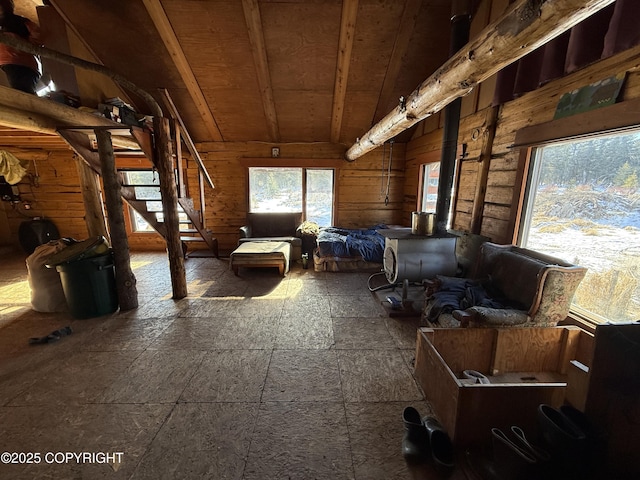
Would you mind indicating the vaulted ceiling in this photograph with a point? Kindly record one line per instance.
(261, 70)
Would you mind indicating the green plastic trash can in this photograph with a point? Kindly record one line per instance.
(88, 278)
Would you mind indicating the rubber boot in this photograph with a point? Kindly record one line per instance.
(542, 467)
(440, 446)
(511, 461)
(595, 441)
(565, 441)
(415, 446)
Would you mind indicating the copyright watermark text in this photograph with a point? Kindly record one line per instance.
(60, 457)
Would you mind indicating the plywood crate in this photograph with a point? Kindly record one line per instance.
(525, 367)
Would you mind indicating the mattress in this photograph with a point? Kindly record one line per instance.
(364, 244)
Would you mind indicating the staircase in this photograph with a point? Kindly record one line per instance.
(144, 197)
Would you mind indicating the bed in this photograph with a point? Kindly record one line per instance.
(349, 250)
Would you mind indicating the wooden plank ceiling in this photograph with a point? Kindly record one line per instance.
(272, 71)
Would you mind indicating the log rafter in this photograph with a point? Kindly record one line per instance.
(345, 47)
(259, 51)
(526, 25)
(163, 25)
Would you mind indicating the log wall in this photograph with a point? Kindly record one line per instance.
(56, 196)
(53, 194)
(502, 186)
(359, 200)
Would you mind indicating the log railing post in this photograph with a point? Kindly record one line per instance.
(125, 279)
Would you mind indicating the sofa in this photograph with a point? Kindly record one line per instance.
(508, 286)
(275, 227)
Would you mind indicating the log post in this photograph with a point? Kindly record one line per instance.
(125, 279)
(164, 163)
(94, 210)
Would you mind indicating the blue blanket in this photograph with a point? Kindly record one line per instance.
(344, 242)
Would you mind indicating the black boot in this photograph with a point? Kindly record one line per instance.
(595, 441)
(440, 445)
(510, 460)
(565, 441)
(415, 445)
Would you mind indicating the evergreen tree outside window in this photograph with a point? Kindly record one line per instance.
(583, 205)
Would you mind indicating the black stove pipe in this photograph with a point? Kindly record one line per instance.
(460, 24)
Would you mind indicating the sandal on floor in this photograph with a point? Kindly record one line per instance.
(52, 337)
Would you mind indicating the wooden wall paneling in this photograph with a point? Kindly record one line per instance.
(468, 179)
(308, 44)
(495, 229)
(387, 43)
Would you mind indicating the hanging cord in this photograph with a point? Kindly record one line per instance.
(386, 198)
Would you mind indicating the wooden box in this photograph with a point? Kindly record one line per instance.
(525, 367)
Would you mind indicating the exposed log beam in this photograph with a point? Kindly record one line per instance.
(527, 25)
(400, 45)
(345, 47)
(162, 24)
(256, 36)
(28, 112)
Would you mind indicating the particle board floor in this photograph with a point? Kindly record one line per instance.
(257, 377)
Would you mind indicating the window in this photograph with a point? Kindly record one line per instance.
(284, 189)
(582, 205)
(430, 174)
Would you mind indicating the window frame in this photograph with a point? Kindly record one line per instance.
(617, 118)
(428, 159)
(304, 164)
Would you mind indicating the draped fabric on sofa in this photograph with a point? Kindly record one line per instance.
(609, 31)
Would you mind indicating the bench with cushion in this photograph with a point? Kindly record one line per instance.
(261, 254)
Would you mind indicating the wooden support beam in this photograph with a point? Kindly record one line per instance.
(164, 163)
(94, 215)
(256, 36)
(125, 279)
(484, 163)
(400, 45)
(345, 47)
(163, 25)
(526, 25)
(80, 143)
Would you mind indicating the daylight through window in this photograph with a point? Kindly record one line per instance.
(430, 177)
(583, 206)
(284, 189)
